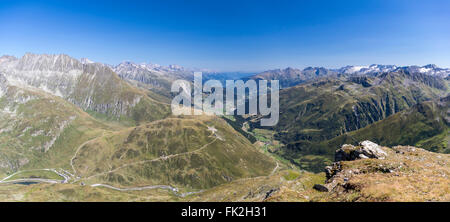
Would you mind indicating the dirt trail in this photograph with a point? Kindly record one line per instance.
(152, 160)
(78, 150)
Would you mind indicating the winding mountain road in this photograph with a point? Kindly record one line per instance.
(166, 187)
(153, 160)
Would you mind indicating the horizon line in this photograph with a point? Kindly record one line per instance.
(190, 68)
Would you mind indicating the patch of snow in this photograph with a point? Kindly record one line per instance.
(86, 61)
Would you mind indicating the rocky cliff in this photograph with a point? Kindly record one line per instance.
(91, 86)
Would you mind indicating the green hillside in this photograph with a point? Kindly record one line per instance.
(40, 130)
(329, 107)
(101, 92)
(198, 152)
(423, 125)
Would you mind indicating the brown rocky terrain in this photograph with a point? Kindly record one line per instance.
(369, 172)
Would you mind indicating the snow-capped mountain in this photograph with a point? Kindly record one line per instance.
(430, 69)
(374, 69)
(86, 61)
(61, 75)
(154, 76)
(291, 76)
(131, 69)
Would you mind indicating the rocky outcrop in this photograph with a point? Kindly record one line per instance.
(366, 149)
(400, 173)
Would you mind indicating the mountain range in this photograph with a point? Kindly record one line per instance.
(80, 123)
(291, 76)
(92, 131)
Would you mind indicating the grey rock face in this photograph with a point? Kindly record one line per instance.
(44, 62)
(372, 150)
(142, 73)
(55, 74)
(91, 86)
(332, 170)
(367, 149)
(152, 74)
(320, 187)
(3, 85)
(291, 77)
(431, 70)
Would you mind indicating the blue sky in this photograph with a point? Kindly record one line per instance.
(232, 35)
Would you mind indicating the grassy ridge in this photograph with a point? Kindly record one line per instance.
(177, 151)
(327, 108)
(423, 125)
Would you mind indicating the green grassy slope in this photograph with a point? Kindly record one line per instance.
(424, 125)
(101, 92)
(39, 130)
(329, 107)
(181, 152)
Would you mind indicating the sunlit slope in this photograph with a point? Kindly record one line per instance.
(39, 130)
(94, 87)
(330, 107)
(193, 152)
(425, 125)
(327, 108)
(100, 91)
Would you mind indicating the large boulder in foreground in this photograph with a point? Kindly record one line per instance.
(365, 150)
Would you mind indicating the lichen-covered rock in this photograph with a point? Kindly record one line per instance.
(369, 172)
(332, 170)
(365, 150)
(371, 150)
(345, 153)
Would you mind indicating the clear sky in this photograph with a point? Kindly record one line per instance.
(232, 35)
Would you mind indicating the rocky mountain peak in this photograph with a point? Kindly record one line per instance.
(86, 61)
(431, 66)
(90, 86)
(7, 58)
(46, 62)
